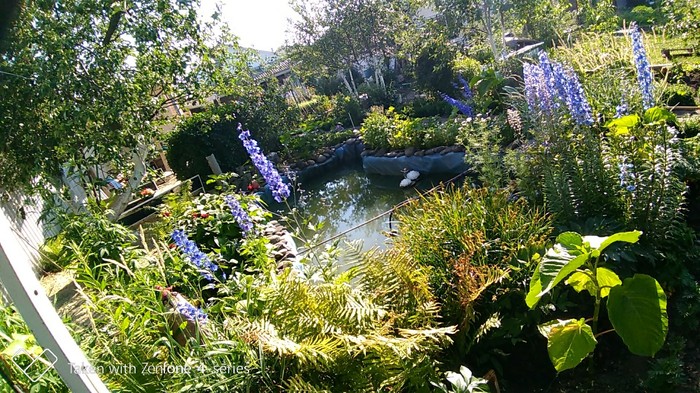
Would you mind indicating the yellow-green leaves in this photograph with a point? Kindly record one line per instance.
(622, 125)
(583, 280)
(570, 253)
(637, 310)
(568, 342)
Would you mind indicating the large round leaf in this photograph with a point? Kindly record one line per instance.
(637, 310)
(568, 342)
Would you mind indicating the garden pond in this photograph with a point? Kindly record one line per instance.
(347, 197)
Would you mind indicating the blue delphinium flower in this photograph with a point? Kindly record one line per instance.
(554, 78)
(537, 92)
(192, 313)
(576, 101)
(626, 177)
(242, 218)
(196, 257)
(641, 62)
(280, 190)
(461, 106)
(466, 90)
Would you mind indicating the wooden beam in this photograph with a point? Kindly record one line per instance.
(38, 313)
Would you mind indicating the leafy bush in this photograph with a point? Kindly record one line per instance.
(636, 307)
(214, 132)
(476, 245)
(643, 15)
(432, 68)
(482, 140)
(467, 67)
(300, 145)
(427, 107)
(679, 94)
(377, 128)
(373, 94)
(438, 133)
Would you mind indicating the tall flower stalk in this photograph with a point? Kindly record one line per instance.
(550, 85)
(641, 62)
(195, 256)
(242, 218)
(461, 106)
(280, 190)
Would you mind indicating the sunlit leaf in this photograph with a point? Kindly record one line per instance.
(637, 311)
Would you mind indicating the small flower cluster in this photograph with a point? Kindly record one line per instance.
(191, 312)
(197, 257)
(627, 178)
(239, 214)
(549, 84)
(280, 191)
(514, 120)
(641, 62)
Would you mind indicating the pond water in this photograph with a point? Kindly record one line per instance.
(344, 198)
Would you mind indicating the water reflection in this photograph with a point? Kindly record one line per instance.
(347, 197)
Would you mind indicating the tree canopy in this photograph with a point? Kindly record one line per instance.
(84, 81)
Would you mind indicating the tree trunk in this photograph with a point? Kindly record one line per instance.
(347, 84)
(352, 80)
(122, 200)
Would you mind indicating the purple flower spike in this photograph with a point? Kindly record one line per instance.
(239, 214)
(196, 257)
(641, 62)
(280, 191)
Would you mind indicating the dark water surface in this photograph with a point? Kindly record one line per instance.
(344, 198)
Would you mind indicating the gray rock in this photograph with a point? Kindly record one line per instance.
(380, 152)
(420, 153)
(310, 162)
(410, 151)
(321, 159)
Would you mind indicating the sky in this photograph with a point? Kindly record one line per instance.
(259, 24)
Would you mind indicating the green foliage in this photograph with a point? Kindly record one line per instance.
(598, 16)
(15, 336)
(265, 114)
(427, 107)
(376, 95)
(376, 129)
(105, 245)
(683, 18)
(388, 129)
(636, 306)
(470, 240)
(463, 382)
(85, 81)
(541, 20)
(679, 94)
(482, 138)
(466, 66)
(432, 68)
(303, 145)
(643, 15)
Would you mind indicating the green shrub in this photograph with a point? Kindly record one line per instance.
(432, 68)
(377, 128)
(689, 126)
(438, 133)
(214, 132)
(375, 95)
(427, 107)
(303, 145)
(643, 15)
(679, 94)
(475, 243)
(467, 67)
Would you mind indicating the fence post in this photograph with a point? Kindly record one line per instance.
(36, 309)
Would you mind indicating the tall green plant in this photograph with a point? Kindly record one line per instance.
(636, 307)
